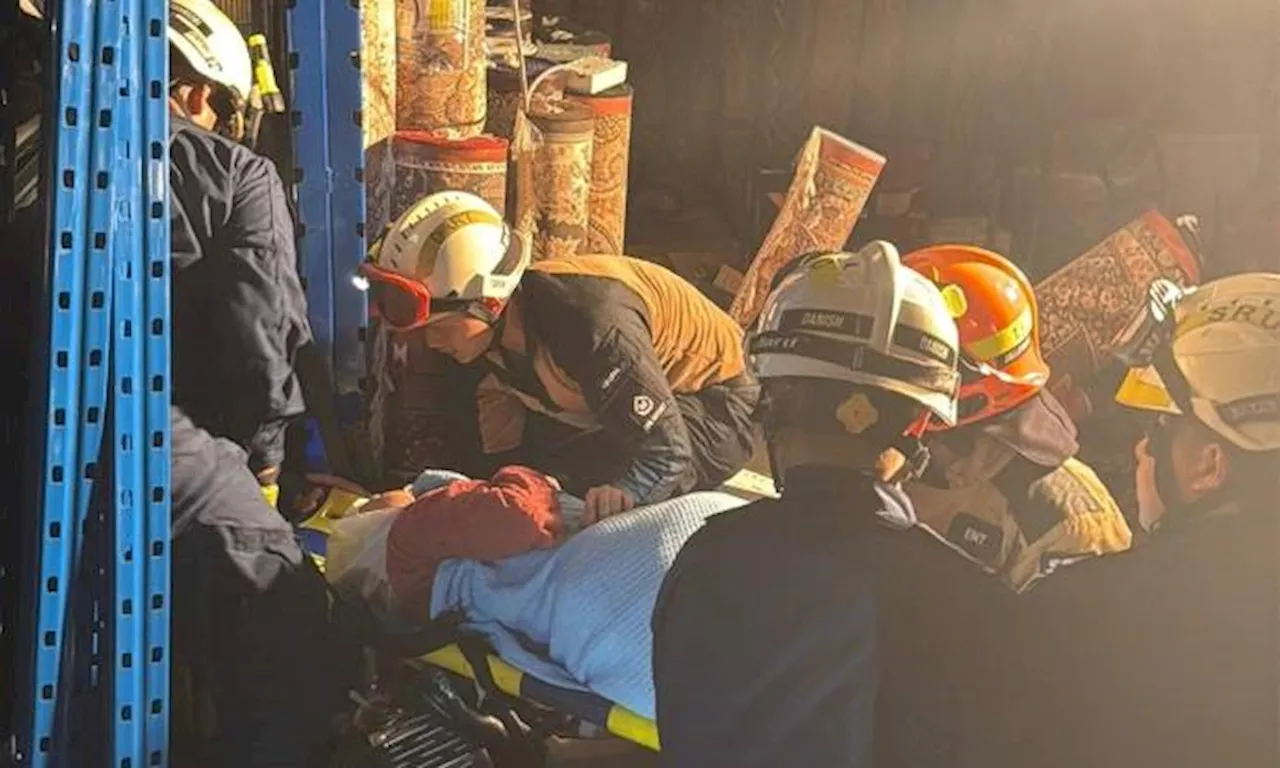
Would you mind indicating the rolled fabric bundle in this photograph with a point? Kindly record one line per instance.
(554, 192)
(505, 94)
(426, 163)
(440, 66)
(832, 182)
(1084, 307)
(561, 41)
(503, 41)
(1086, 304)
(610, 158)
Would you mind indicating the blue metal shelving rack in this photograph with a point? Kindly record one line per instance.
(324, 58)
(97, 648)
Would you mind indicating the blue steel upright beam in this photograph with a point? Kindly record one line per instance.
(313, 174)
(155, 182)
(58, 537)
(347, 200)
(127, 503)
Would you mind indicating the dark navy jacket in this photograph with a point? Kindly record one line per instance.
(239, 315)
(766, 640)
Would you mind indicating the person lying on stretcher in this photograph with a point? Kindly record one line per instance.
(510, 557)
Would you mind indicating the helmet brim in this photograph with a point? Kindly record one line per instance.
(1144, 390)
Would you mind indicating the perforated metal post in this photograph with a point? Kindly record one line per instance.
(58, 535)
(98, 645)
(313, 175)
(347, 199)
(155, 183)
(126, 516)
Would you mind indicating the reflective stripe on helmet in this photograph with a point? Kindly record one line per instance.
(935, 377)
(1002, 342)
(860, 327)
(426, 263)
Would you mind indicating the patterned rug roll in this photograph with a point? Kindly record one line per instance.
(505, 94)
(1088, 302)
(554, 186)
(426, 163)
(440, 66)
(1084, 306)
(610, 158)
(833, 180)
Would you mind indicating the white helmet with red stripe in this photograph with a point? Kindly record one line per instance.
(457, 245)
(864, 319)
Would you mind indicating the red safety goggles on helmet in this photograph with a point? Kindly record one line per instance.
(404, 304)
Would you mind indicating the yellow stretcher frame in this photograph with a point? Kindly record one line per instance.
(617, 720)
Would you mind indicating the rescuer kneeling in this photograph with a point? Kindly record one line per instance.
(610, 373)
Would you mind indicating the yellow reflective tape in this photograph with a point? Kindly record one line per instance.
(272, 494)
(431, 248)
(451, 658)
(1003, 340)
(957, 303)
(626, 724)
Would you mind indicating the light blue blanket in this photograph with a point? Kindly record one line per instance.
(578, 616)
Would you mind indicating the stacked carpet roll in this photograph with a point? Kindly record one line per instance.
(503, 41)
(832, 182)
(1088, 302)
(554, 189)
(610, 160)
(441, 65)
(426, 163)
(1083, 308)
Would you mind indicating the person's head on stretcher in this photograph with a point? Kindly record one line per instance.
(405, 534)
(856, 355)
(447, 268)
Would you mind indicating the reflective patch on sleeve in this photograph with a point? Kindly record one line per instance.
(627, 401)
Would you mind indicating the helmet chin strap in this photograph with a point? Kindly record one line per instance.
(917, 456)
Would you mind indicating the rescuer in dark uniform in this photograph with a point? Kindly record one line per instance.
(613, 374)
(1166, 655)
(250, 609)
(766, 629)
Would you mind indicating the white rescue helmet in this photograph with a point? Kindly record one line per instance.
(1218, 359)
(456, 245)
(864, 319)
(211, 43)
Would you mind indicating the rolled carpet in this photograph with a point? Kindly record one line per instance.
(610, 159)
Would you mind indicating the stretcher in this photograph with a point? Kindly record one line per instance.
(579, 705)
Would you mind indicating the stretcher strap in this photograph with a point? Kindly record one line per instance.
(617, 720)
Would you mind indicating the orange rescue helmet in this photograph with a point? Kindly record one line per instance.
(994, 307)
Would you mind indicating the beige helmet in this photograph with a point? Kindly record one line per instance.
(1211, 352)
(449, 252)
(865, 319)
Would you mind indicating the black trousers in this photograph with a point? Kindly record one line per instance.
(250, 611)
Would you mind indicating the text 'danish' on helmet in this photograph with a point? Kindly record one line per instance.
(1218, 361)
(995, 311)
(863, 319)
